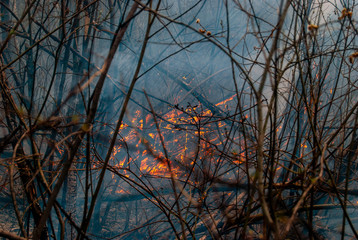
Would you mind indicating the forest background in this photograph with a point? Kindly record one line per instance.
(129, 119)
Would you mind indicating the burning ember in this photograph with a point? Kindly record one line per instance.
(187, 132)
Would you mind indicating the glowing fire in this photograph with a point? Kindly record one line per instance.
(182, 145)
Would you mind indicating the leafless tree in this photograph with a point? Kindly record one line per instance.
(128, 119)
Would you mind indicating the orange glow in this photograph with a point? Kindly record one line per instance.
(147, 153)
(59, 149)
(144, 165)
(122, 191)
(148, 118)
(279, 128)
(239, 158)
(225, 101)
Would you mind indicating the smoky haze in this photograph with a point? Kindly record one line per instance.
(214, 120)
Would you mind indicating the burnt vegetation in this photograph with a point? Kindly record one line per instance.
(129, 119)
